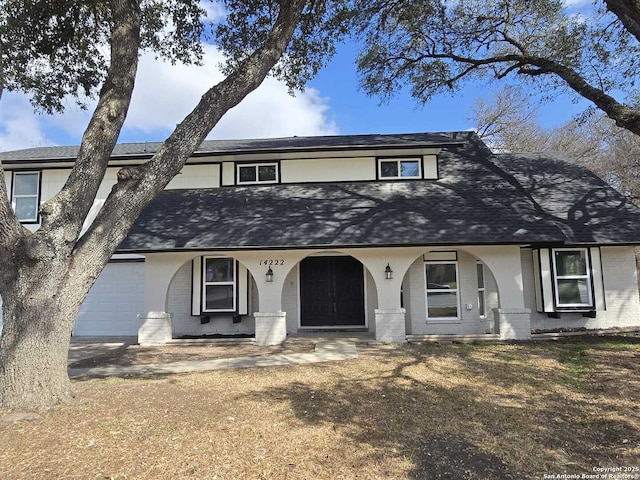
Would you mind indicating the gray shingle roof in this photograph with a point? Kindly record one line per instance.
(479, 199)
(221, 147)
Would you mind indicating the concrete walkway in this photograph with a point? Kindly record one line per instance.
(324, 352)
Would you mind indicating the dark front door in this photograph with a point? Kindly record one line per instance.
(331, 292)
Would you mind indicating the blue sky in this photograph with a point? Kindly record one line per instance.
(332, 104)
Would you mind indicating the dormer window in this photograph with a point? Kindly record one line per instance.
(257, 173)
(399, 168)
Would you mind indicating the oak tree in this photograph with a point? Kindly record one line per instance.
(437, 45)
(508, 122)
(53, 49)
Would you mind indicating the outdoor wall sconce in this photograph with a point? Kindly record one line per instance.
(388, 273)
(269, 275)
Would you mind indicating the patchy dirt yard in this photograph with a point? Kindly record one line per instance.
(397, 412)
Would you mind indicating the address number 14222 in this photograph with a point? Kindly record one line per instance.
(272, 262)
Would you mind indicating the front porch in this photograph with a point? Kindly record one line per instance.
(380, 294)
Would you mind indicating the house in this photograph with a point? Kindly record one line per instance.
(400, 236)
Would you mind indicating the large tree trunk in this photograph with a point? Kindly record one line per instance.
(38, 317)
(48, 274)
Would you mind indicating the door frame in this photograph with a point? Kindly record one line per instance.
(365, 294)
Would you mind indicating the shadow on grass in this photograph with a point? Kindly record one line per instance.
(495, 416)
(473, 411)
(396, 416)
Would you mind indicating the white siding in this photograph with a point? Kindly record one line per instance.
(113, 303)
(328, 170)
(228, 173)
(621, 294)
(179, 305)
(7, 180)
(52, 182)
(430, 167)
(197, 176)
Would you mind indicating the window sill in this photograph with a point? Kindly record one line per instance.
(399, 178)
(270, 182)
(574, 309)
(431, 321)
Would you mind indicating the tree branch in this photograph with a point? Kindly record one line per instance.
(628, 11)
(64, 215)
(132, 194)
(10, 227)
(624, 116)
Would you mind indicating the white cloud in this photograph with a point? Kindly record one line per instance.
(20, 127)
(271, 112)
(166, 93)
(163, 95)
(214, 10)
(575, 3)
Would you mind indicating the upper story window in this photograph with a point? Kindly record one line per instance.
(399, 168)
(25, 198)
(257, 173)
(572, 278)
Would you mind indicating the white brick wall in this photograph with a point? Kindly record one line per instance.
(621, 294)
(390, 325)
(513, 323)
(179, 305)
(271, 328)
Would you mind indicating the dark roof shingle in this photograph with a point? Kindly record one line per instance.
(480, 198)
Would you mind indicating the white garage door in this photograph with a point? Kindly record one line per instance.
(112, 306)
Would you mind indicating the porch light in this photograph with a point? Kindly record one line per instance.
(388, 273)
(269, 275)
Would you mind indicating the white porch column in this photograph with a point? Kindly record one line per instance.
(270, 320)
(389, 316)
(154, 324)
(512, 319)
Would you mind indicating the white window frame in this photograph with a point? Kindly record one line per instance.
(482, 306)
(233, 283)
(586, 277)
(36, 197)
(457, 318)
(399, 162)
(257, 166)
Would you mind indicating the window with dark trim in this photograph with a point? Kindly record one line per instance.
(218, 285)
(25, 198)
(572, 278)
(257, 173)
(389, 168)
